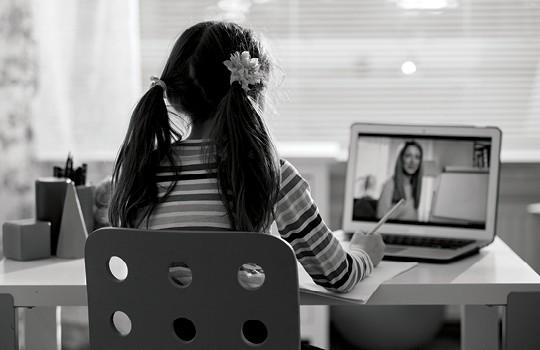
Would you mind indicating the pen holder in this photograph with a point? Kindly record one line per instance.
(50, 197)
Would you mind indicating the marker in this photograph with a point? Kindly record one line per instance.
(387, 215)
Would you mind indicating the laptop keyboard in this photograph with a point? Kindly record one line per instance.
(429, 242)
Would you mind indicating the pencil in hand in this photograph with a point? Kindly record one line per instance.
(387, 215)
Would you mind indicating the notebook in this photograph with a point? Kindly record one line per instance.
(448, 176)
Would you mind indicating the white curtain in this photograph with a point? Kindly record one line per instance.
(88, 76)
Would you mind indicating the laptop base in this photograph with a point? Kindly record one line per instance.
(432, 260)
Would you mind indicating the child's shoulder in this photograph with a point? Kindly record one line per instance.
(291, 179)
(287, 168)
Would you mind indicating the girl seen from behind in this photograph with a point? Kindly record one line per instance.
(225, 174)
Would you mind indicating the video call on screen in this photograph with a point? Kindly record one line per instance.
(444, 180)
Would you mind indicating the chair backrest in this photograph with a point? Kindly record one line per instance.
(149, 308)
(8, 323)
(522, 321)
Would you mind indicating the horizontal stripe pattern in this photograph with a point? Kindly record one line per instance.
(320, 253)
(195, 202)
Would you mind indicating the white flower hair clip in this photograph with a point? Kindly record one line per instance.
(244, 69)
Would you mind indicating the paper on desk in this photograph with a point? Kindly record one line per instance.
(385, 271)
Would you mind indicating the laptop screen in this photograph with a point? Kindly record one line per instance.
(444, 178)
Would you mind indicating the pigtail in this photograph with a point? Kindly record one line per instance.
(247, 162)
(147, 142)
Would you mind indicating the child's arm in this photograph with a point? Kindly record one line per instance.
(320, 253)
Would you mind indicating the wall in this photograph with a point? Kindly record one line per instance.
(520, 186)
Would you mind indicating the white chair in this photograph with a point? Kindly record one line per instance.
(191, 290)
(8, 323)
(522, 321)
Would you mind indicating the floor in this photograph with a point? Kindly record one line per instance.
(75, 334)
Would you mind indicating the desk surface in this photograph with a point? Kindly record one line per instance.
(483, 279)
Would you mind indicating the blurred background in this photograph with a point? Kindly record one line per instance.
(72, 70)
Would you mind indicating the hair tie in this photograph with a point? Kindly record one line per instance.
(244, 69)
(156, 81)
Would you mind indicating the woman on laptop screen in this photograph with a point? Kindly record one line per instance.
(406, 183)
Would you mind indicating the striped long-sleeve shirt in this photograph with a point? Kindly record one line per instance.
(195, 203)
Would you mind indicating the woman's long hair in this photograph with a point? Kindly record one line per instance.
(416, 178)
(240, 144)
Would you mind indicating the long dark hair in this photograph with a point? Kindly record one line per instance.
(416, 178)
(198, 85)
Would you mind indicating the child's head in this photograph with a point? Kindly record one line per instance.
(216, 76)
(197, 79)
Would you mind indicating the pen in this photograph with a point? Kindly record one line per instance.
(83, 174)
(77, 176)
(58, 172)
(69, 166)
(387, 215)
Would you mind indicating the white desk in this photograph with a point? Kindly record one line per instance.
(478, 283)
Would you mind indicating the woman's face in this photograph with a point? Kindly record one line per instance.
(412, 156)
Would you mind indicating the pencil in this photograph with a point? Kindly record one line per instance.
(387, 215)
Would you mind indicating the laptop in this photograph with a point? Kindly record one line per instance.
(448, 176)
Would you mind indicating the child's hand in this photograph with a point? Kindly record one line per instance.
(372, 244)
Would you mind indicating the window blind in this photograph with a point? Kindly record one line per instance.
(477, 62)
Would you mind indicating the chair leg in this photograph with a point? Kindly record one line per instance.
(8, 323)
